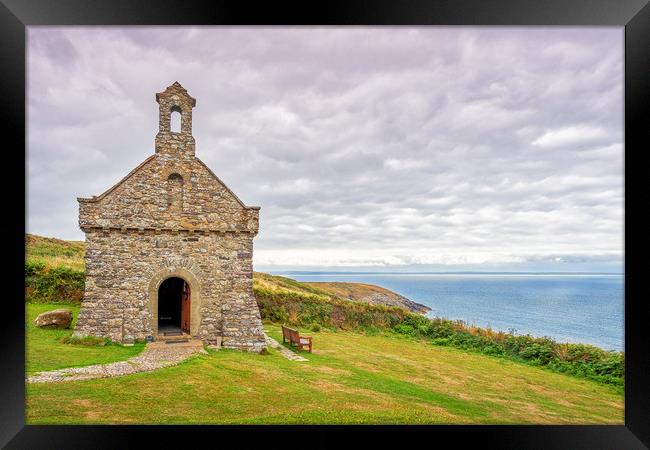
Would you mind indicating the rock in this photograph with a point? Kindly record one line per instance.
(58, 318)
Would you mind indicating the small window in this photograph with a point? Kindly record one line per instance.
(174, 190)
(175, 120)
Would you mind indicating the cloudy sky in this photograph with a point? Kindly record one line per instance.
(397, 148)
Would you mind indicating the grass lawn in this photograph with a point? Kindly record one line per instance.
(45, 352)
(350, 378)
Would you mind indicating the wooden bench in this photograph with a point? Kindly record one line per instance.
(294, 338)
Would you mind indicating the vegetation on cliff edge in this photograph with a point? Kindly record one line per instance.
(54, 274)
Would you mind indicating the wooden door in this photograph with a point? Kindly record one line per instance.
(185, 308)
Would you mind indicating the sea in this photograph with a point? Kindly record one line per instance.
(576, 308)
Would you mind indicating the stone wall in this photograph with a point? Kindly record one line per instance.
(125, 269)
(193, 199)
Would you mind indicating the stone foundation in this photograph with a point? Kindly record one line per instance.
(125, 269)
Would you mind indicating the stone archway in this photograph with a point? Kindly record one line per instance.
(174, 302)
(195, 307)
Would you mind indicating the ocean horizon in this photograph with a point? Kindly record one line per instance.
(576, 307)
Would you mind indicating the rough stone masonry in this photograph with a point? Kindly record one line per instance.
(170, 217)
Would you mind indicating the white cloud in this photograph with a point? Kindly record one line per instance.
(404, 164)
(570, 136)
(412, 146)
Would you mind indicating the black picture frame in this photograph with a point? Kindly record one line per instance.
(634, 15)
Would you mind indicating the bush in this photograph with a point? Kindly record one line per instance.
(540, 353)
(441, 341)
(315, 327)
(403, 328)
(371, 331)
(494, 350)
(90, 341)
(60, 284)
(440, 328)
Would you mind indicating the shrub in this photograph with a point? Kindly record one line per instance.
(44, 284)
(403, 328)
(371, 330)
(440, 328)
(494, 350)
(540, 353)
(441, 341)
(90, 341)
(315, 327)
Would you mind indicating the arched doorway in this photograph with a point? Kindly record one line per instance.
(174, 301)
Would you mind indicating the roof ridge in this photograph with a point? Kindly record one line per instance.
(131, 173)
(225, 185)
(111, 189)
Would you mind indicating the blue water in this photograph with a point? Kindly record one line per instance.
(568, 308)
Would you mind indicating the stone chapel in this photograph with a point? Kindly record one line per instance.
(169, 248)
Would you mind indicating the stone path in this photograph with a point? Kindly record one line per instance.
(284, 351)
(156, 355)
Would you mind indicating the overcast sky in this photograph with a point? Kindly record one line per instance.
(384, 148)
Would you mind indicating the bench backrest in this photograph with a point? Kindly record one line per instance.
(290, 333)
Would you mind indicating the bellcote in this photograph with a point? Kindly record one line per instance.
(174, 136)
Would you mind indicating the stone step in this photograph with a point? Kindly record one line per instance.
(162, 337)
(176, 343)
(172, 333)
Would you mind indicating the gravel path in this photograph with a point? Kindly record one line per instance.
(284, 351)
(156, 355)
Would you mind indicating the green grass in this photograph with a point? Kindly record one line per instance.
(54, 274)
(371, 364)
(55, 252)
(350, 378)
(45, 351)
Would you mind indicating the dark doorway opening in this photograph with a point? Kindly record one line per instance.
(171, 296)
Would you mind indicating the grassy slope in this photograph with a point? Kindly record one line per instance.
(283, 300)
(55, 252)
(44, 351)
(350, 378)
(354, 291)
(365, 293)
(278, 284)
(358, 292)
